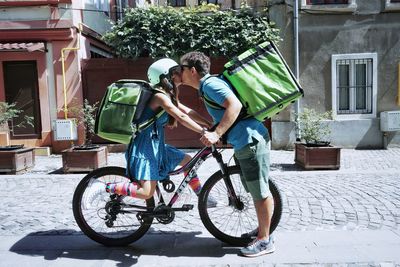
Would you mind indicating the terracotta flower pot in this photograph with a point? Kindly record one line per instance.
(317, 157)
(14, 159)
(84, 160)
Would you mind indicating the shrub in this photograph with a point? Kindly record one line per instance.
(313, 129)
(166, 31)
(9, 111)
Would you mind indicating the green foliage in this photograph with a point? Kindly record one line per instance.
(166, 31)
(313, 129)
(8, 112)
(86, 116)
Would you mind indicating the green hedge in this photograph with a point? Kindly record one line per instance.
(166, 31)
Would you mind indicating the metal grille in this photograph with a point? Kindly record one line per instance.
(177, 2)
(354, 86)
(327, 2)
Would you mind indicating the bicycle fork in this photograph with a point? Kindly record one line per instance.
(233, 198)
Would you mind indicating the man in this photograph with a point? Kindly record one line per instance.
(248, 137)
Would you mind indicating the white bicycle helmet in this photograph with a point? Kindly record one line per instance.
(160, 68)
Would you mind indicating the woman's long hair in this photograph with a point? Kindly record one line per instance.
(173, 93)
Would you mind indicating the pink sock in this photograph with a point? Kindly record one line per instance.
(123, 188)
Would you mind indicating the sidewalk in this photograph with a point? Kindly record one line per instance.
(313, 248)
(348, 217)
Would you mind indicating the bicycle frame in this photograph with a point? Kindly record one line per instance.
(192, 166)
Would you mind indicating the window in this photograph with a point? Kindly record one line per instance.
(392, 5)
(354, 85)
(120, 5)
(215, 2)
(25, 93)
(327, 2)
(96, 52)
(329, 5)
(177, 3)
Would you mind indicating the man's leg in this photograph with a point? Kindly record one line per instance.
(254, 162)
(264, 214)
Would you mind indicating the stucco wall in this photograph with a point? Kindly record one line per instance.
(321, 34)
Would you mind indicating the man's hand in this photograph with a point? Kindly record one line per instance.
(209, 138)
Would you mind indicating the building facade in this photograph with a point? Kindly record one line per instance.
(349, 55)
(42, 44)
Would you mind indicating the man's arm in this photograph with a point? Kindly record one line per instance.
(195, 115)
(232, 107)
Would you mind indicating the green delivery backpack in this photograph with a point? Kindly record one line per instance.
(262, 80)
(120, 109)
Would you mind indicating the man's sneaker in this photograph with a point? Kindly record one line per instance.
(257, 248)
(211, 202)
(252, 234)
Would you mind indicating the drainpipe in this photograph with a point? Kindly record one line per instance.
(398, 87)
(63, 67)
(296, 62)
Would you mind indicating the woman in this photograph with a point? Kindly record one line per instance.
(149, 159)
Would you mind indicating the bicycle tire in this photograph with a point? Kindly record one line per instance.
(251, 223)
(81, 209)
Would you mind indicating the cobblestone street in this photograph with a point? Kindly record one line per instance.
(363, 194)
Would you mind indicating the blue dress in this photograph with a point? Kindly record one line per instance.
(150, 158)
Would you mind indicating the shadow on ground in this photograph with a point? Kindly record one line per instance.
(54, 246)
(285, 167)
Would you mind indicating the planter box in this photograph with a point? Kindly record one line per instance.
(14, 161)
(326, 157)
(84, 160)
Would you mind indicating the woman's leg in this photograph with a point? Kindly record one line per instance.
(194, 181)
(144, 191)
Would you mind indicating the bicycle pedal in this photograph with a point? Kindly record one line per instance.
(187, 207)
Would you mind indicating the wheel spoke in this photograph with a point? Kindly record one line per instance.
(227, 222)
(92, 204)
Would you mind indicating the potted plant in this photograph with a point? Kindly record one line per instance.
(316, 152)
(13, 158)
(85, 157)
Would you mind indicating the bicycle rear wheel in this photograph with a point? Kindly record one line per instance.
(107, 218)
(226, 222)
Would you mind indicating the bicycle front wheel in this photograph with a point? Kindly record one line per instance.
(224, 220)
(106, 218)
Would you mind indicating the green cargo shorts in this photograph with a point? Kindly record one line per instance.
(254, 162)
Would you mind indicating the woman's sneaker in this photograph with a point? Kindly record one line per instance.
(211, 202)
(258, 247)
(92, 194)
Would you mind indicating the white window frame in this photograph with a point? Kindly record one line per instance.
(374, 77)
(350, 7)
(391, 6)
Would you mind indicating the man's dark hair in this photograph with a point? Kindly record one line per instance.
(198, 60)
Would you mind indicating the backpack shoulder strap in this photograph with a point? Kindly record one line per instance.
(208, 101)
(243, 113)
(142, 126)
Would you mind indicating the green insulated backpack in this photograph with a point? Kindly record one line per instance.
(262, 80)
(120, 109)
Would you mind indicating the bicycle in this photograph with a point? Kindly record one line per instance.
(111, 219)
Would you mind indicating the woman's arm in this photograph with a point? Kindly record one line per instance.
(195, 115)
(164, 102)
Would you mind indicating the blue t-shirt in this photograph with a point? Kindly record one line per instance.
(217, 89)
